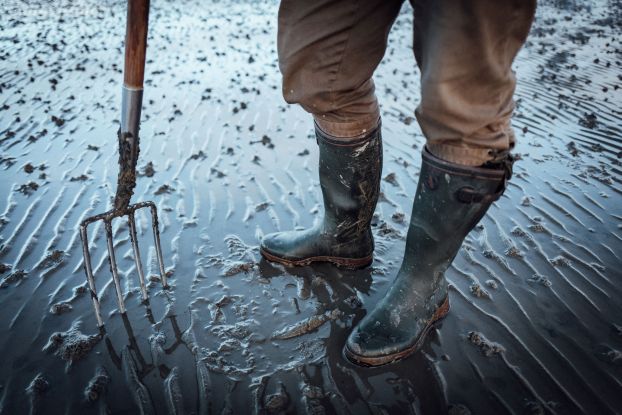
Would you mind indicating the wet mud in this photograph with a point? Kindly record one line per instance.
(535, 323)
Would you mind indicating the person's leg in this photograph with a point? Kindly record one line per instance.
(465, 51)
(328, 51)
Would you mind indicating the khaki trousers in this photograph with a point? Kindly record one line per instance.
(329, 49)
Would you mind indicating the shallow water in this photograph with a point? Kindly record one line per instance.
(536, 321)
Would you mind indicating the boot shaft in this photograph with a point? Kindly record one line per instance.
(450, 200)
(350, 180)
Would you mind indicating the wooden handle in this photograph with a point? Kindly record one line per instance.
(136, 43)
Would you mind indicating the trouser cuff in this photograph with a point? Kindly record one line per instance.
(467, 156)
(349, 130)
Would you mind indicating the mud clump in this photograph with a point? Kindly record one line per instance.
(540, 279)
(572, 149)
(58, 121)
(516, 231)
(353, 302)
(262, 206)
(384, 229)
(53, 258)
(485, 346)
(305, 326)
(13, 278)
(148, 170)
(28, 188)
(238, 267)
(80, 178)
(513, 252)
(398, 217)
(36, 389)
(60, 308)
(97, 385)
(479, 292)
(126, 181)
(560, 261)
(29, 168)
(277, 402)
(608, 355)
(38, 386)
(265, 140)
(71, 345)
(198, 156)
(392, 179)
(164, 189)
(589, 121)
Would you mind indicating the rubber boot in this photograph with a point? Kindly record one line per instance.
(450, 200)
(350, 181)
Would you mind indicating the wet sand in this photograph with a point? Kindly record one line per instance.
(536, 320)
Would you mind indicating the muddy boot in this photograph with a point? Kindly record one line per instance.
(450, 201)
(350, 181)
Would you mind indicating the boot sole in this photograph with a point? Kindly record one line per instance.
(348, 263)
(366, 361)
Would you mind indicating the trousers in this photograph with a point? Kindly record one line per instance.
(329, 49)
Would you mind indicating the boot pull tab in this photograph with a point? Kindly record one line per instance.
(469, 195)
(503, 161)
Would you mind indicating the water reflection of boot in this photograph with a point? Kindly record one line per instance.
(450, 201)
(350, 181)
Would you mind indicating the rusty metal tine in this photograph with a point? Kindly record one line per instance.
(139, 266)
(156, 239)
(113, 265)
(89, 275)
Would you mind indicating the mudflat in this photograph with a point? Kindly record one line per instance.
(536, 317)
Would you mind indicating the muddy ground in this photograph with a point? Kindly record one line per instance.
(536, 321)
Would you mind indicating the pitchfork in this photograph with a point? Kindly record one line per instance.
(131, 102)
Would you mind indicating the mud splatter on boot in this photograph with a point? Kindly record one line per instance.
(450, 200)
(350, 181)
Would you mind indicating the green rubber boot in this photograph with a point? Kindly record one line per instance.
(450, 200)
(350, 181)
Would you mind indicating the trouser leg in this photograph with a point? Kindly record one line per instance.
(328, 51)
(465, 50)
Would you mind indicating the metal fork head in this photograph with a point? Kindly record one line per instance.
(107, 218)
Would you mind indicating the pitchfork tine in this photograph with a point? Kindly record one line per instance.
(89, 274)
(137, 260)
(156, 240)
(113, 265)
